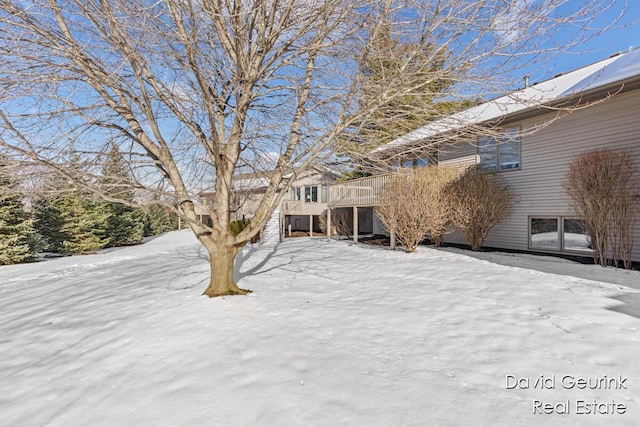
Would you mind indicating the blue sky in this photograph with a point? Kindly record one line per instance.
(623, 35)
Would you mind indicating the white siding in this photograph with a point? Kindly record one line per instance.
(546, 154)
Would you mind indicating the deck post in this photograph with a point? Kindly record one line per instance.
(289, 227)
(310, 225)
(281, 231)
(393, 241)
(328, 224)
(355, 224)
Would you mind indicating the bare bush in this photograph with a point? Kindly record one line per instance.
(479, 202)
(414, 205)
(402, 210)
(439, 208)
(602, 186)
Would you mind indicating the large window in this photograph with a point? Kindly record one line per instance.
(558, 234)
(501, 152)
(311, 193)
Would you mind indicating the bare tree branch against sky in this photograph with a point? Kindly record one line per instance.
(193, 91)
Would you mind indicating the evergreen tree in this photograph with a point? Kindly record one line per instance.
(49, 223)
(126, 225)
(72, 221)
(160, 220)
(85, 223)
(18, 237)
(392, 66)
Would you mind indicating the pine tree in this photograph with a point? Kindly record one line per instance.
(85, 223)
(418, 71)
(160, 220)
(126, 224)
(49, 223)
(18, 237)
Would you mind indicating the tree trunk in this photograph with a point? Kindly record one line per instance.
(222, 259)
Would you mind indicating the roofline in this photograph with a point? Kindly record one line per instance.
(622, 85)
(595, 94)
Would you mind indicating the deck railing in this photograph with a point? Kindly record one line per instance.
(292, 206)
(358, 192)
(298, 207)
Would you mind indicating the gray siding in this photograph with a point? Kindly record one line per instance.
(459, 154)
(545, 156)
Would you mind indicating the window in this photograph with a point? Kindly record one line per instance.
(544, 234)
(501, 152)
(408, 164)
(559, 234)
(422, 163)
(311, 194)
(323, 196)
(574, 235)
(295, 193)
(416, 163)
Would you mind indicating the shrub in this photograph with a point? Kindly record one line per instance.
(479, 201)
(602, 186)
(339, 223)
(415, 205)
(237, 226)
(439, 207)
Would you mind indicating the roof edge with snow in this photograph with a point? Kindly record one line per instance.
(607, 76)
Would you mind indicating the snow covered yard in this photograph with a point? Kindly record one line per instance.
(334, 334)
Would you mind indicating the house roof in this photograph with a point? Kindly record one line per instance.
(610, 74)
(259, 180)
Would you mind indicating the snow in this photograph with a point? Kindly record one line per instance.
(613, 70)
(333, 334)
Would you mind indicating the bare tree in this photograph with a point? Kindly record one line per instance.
(479, 202)
(195, 91)
(603, 187)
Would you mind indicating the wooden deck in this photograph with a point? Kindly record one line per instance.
(358, 192)
(298, 207)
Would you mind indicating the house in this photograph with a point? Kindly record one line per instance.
(307, 201)
(532, 136)
(299, 210)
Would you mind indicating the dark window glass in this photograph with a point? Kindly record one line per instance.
(502, 153)
(421, 163)
(408, 164)
(488, 154)
(509, 150)
(545, 233)
(575, 236)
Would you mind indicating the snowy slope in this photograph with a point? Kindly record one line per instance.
(334, 334)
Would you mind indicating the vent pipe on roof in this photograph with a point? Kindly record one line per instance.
(526, 81)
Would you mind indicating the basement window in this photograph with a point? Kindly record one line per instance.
(559, 234)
